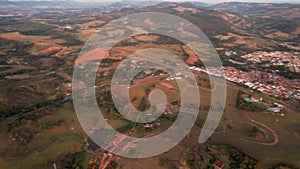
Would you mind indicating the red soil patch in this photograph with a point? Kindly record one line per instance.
(58, 129)
(167, 85)
(95, 54)
(50, 49)
(192, 56)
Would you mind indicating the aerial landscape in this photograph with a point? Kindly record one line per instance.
(258, 45)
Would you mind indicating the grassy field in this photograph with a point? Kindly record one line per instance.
(50, 142)
(54, 131)
(233, 131)
(275, 142)
(41, 42)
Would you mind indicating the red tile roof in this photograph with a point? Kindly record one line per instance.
(219, 164)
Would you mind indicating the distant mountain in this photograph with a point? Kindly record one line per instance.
(62, 3)
(105, 6)
(199, 16)
(286, 11)
(247, 25)
(3, 2)
(229, 29)
(195, 3)
(131, 4)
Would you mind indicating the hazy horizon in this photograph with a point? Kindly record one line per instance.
(205, 1)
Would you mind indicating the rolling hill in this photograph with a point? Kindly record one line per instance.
(285, 11)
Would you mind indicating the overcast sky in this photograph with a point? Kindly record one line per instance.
(217, 1)
(206, 1)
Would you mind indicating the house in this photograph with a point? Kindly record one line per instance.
(228, 54)
(147, 72)
(248, 100)
(274, 109)
(67, 97)
(249, 84)
(67, 85)
(118, 139)
(256, 98)
(149, 125)
(279, 105)
(218, 164)
(178, 74)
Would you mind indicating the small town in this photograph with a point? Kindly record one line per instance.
(149, 84)
(290, 60)
(268, 83)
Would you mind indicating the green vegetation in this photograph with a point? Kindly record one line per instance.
(110, 60)
(285, 72)
(9, 112)
(71, 40)
(14, 48)
(39, 129)
(126, 43)
(74, 161)
(126, 127)
(283, 166)
(239, 160)
(236, 157)
(255, 107)
(253, 131)
(244, 105)
(144, 104)
(191, 160)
